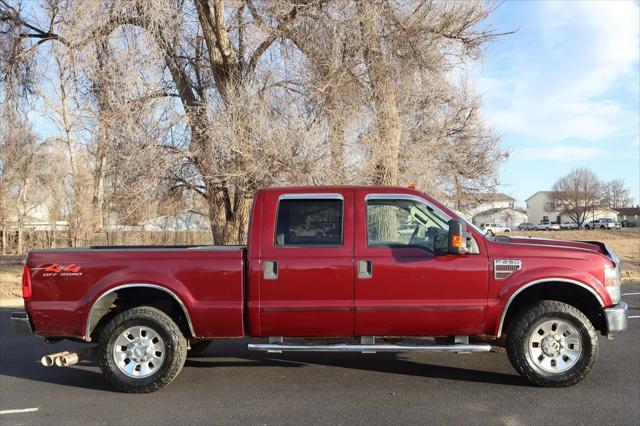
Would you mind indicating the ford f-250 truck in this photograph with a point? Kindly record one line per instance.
(332, 269)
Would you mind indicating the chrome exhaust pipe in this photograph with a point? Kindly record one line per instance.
(49, 360)
(67, 360)
(72, 358)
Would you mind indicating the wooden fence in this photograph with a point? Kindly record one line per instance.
(48, 239)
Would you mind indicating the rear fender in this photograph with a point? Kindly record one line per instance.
(102, 295)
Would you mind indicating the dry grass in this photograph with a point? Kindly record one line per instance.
(624, 242)
(10, 279)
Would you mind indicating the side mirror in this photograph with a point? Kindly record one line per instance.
(457, 237)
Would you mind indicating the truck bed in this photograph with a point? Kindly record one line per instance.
(207, 280)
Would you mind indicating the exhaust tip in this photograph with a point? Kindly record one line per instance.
(47, 360)
(67, 360)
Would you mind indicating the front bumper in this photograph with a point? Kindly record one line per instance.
(21, 323)
(616, 317)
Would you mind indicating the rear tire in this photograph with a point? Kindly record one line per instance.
(141, 350)
(552, 344)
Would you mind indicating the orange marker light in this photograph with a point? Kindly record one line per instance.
(457, 241)
(412, 186)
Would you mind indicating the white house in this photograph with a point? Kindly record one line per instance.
(35, 218)
(505, 216)
(483, 201)
(539, 209)
(189, 220)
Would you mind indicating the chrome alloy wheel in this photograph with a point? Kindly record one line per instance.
(139, 352)
(554, 346)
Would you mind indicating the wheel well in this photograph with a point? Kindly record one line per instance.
(111, 304)
(568, 293)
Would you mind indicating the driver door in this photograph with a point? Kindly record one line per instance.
(403, 288)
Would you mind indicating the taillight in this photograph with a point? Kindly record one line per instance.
(26, 284)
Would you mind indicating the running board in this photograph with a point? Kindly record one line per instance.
(280, 347)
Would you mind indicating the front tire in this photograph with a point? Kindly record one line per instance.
(552, 344)
(141, 350)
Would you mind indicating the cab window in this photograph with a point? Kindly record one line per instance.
(400, 222)
(309, 222)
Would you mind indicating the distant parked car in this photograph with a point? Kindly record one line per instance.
(569, 225)
(604, 223)
(545, 225)
(492, 228)
(526, 226)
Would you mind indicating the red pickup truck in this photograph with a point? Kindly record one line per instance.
(339, 268)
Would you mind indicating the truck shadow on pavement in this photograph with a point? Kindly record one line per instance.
(20, 355)
(218, 354)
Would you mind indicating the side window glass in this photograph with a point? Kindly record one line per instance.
(404, 223)
(309, 222)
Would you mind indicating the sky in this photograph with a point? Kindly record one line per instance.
(564, 91)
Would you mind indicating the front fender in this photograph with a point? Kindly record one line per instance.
(511, 288)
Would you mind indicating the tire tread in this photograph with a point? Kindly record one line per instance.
(176, 360)
(518, 334)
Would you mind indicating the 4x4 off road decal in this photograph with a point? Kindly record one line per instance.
(55, 270)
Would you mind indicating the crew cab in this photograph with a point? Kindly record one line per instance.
(334, 265)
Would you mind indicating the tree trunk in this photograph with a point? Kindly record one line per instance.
(20, 237)
(387, 118)
(4, 240)
(337, 128)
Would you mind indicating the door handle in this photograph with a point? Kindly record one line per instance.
(365, 269)
(270, 270)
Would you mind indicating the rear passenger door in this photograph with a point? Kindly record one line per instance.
(307, 274)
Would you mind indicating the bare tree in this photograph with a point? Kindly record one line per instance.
(576, 194)
(214, 98)
(617, 194)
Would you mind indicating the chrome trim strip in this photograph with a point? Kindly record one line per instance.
(87, 335)
(546, 245)
(544, 280)
(279, 347)
(311, 196)
(448, 308)
(305, 309)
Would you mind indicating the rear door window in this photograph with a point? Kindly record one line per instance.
(309, 222)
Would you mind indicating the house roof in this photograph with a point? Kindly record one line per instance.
(628, 211)
(539, 192)
(492, 196)
(498, 210)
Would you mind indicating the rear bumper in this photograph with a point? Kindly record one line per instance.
(616, 317)
(21, 323)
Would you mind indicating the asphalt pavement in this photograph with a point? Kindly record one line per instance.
(229, 385)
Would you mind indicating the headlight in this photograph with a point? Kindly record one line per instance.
(612, 282)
